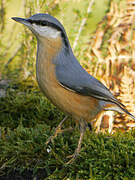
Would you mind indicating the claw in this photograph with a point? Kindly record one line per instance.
(73, 157)
(57, 131)
(77, 151)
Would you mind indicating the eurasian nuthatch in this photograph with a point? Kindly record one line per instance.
(63, 80)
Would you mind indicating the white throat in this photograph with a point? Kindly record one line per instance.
(46, 31)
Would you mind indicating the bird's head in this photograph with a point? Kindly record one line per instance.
(44, 26)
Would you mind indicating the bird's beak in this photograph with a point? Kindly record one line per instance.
(22, 21)
(26, 22)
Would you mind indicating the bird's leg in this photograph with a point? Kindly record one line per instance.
(83, 126)
(90, 127)
(58, 130)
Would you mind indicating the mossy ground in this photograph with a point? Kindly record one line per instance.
(28, 119)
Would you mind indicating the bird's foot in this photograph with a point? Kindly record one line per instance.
(77, 151)
(57, 131)
(51, 138)
(73, 157)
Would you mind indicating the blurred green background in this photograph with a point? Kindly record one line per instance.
(18, 46)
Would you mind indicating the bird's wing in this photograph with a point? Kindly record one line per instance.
(72, 76)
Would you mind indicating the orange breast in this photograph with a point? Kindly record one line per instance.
(76, 105)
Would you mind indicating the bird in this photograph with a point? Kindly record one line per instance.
(64, 81)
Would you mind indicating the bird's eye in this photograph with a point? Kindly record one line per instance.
(41, 23)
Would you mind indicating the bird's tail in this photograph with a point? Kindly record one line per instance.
(128, 113)
(119, 107)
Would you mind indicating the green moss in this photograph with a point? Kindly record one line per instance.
(23, 150)
(28, 119)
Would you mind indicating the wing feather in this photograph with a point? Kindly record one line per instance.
(72, 76)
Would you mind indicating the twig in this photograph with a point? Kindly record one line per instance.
(82, 24)
(12, 57)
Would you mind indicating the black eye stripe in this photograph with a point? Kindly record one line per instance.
(46, 23)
